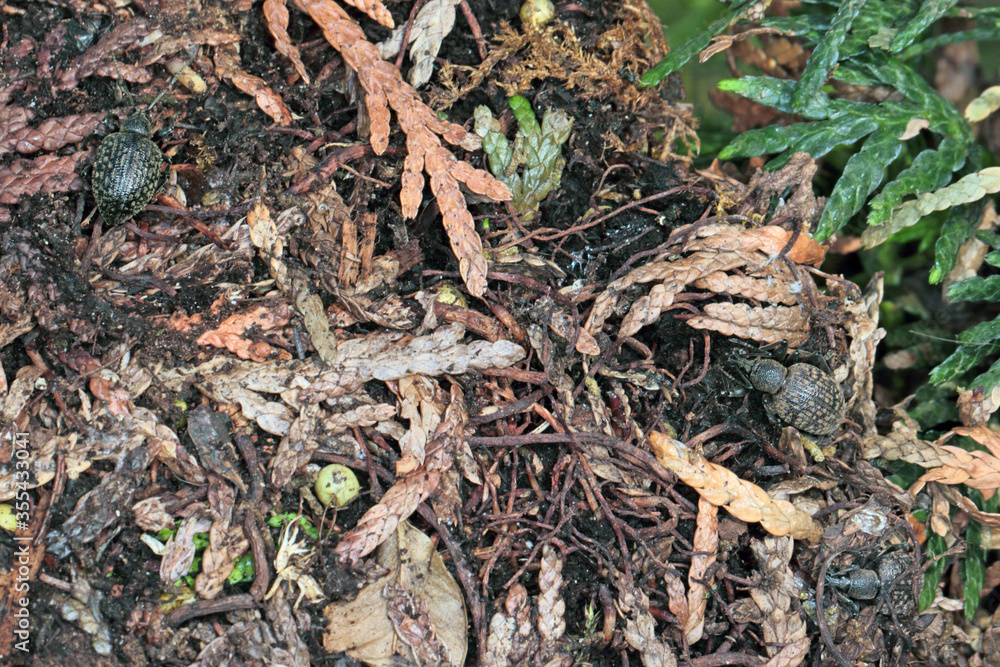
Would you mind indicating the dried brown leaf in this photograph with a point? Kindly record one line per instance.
(232, 333)
(975, 406)
(676, 597)
(375, 10)
(381, 520)
(46, 173)
(976, 469)
(276, 17)
(50, 135)
(551, 606)
(768, 324)
(422, 403)
(378, 356)
(429, 28)
(784, 624)
(296, 448)
(151, 515)
(114, 42)
(227, 61)
(761, 289)
(101, 507)
(217, 561)
(385, 89)
(706, 544)
(415, 609)
(401, 500)
(903, 443)
(671, 276)
(768, 239)
(722, 488)
(180, 550)
(640, 627)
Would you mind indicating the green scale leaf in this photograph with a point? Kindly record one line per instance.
(979, 342)
(864, 171)
(825, 55)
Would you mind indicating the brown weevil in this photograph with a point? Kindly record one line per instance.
(127, 171)
(801, 394)
(867, 584)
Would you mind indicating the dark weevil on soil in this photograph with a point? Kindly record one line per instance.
(800, 394)
(127, 171)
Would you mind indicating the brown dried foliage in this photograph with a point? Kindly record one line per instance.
(728, 260)
(384, 90)
(276, 17)
(52, 134)
(401, 500)
(722, 488)
(47, 173)
(227, 61)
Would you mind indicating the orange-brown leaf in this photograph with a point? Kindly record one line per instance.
(276, 16)
(375, 9)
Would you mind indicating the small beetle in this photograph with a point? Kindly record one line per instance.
(866, 584)
(127, 170)
(801, 394)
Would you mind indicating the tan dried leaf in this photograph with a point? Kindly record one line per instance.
(861, 325)
(364, 627)
(761, 289)
(114, 42)
(314, 319)
(672, 277)
(151, 514)
(706, 544)
(296, 449)
(218, 559)
(276, 17)
(551, 606)
(379, 356)
(768, 324)
(903, 443)
(180, 548)
(429, 28)
(375, 10)
(640, 627)
(422, 403)
(232, 332)
(975, 406)
(722, 488)
(768, 239)
(50, 135)
(381, 520)
(784, 625)
(457, 219)
(676, 597)
(976, 469)
(401, 500)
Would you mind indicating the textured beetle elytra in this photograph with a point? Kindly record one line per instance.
(802, 395)
(127, 169)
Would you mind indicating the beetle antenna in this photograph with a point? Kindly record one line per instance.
(169, 86)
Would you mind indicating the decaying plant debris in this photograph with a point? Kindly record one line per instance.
(542, 409)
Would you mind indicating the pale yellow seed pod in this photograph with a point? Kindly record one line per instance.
(337, 485)
(536, 13)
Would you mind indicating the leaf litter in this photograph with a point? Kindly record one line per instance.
(539, 397)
